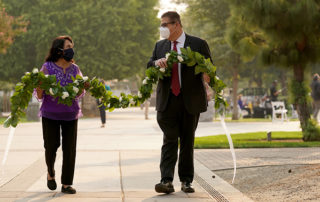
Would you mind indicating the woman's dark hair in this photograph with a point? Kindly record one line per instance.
(56, 49)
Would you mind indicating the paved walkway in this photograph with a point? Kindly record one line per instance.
(116, 163)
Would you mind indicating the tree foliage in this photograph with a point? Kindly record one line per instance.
(209, 19)
(288, 33)
(289, 29)
(10, 27)
(113, 38)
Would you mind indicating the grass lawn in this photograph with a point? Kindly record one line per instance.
(254, 140)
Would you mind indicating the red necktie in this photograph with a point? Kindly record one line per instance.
(175, 85)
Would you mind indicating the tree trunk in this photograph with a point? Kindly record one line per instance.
(235, 81)
(283, 82)
(300, 96)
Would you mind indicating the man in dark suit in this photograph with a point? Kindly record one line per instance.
(180, 100)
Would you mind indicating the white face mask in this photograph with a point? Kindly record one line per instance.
(164, 32)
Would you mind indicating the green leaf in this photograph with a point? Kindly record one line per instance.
(8, 122)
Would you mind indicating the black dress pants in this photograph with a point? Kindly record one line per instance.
(102, 110)
(176, 122)
(51, 136)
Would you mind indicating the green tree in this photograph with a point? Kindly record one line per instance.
(209, 20)
(113, 38)
(287, 33)
(10, 27)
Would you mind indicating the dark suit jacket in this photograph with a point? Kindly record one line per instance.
(193, 90)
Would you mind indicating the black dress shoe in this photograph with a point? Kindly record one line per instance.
(187, 187)
(164, 187)
(68, 190)
(51, 184)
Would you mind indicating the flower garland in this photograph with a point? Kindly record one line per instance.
(66, 94)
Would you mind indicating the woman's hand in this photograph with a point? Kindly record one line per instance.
(39, 92)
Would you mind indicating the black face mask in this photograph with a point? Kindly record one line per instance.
(68, 54)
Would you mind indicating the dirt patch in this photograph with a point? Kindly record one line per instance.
(277, 183)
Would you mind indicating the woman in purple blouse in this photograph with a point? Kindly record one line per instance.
(59, 62)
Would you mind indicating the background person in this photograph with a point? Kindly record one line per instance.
(274, 92)
(315, 94)
(243, 106)
(102, 108)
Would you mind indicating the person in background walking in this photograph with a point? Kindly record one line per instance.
(274, 92)
(315, 94)
(102, 108)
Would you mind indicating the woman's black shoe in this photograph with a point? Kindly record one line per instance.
(68, 190)
(52, 185)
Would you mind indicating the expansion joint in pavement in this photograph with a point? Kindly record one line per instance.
(209, 189)
(121, 181)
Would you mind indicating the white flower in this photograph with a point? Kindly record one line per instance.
(180, 58)
(163, 70)
(65, 95)
(51, 91)
(132, 102)
(76, 82)
(217, 78)
(27, 73)
(35, 70)
(108, 106)
(75, 89)
(144, 82)
(85, 78)
(120, 99)
(46, 75)
(167, 56)
(139, 94)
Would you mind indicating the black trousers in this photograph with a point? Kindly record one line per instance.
(51, 136)
(176, 122)
(102, 110)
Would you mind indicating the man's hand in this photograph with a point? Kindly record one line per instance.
(86, 85)
(39, 92)
(206, 78)
(162, 63)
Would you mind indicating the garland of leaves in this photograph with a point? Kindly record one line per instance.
(67, 94)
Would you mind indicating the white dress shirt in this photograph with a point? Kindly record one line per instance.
(180, 44)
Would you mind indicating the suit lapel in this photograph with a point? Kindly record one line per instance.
(187, 42)
(167, 47)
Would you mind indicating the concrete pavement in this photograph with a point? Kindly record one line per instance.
(116, 163)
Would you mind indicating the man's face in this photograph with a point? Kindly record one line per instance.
(171, 25)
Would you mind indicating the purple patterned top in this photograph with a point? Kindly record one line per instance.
(50, 107)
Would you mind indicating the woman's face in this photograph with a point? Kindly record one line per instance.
(67, 44)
